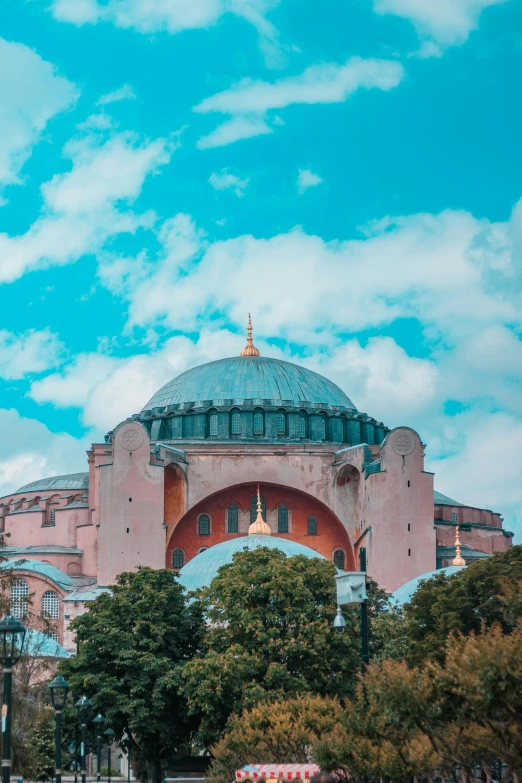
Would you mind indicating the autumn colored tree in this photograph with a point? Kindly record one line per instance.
(269, 636)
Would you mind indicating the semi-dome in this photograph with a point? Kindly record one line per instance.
(69, 481)
(201, 570)
(255, 378)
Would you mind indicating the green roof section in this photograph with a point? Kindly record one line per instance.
(39, 568)
(443, 500)
(68, 481)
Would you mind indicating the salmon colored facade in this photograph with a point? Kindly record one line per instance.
(181, 476)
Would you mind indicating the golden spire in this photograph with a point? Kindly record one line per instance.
(259, 527)
(249, 349)
(458, 560)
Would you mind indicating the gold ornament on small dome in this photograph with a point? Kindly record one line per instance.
(249, 349)
(458, 560)
(259, 526)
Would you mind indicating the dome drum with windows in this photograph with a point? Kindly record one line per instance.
(251, 398)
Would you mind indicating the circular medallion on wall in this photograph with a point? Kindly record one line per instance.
(131, 438)
(403, 443)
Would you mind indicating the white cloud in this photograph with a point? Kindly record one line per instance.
(249, 100)
(29, 451)
(87, 204)
(173, 16)
(225, 181)
(446, 21)
(124, 93)
(32, 94)
(71, 387)
(307, 179)
(27, 353)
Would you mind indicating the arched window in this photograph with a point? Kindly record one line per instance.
(188, 425)
(50, 605)
(253, 509)
(178, 559)
(202, 549)
(213, 425)
(204, 525)
(235, 423)
(322, 429)
(312, 526)
(339, 559)
(259, 424)
(302, 427)
(233, 519)
(281, 424)
(19, 598)
(282, 519)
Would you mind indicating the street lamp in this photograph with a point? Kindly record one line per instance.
(12, 637)
(83, 706)
(98, 721)
(59, 691)
(339, 622)
(110, 739)
(351, 589)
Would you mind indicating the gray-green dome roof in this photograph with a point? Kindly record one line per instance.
(69, 481)
(201, 570)
(231, 381)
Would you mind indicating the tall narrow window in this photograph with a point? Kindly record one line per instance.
(188, 425)
(236, 423)
(312, 526)
(339, 559)
(178, 559)
(213, 425)
(204, 525)
(50, 605)
(258, 423)
(19, 598)
(302, 427)
(281, 424)
(52, 517)
(455, 517)
(282, 519)
(253, 509)
(233, 519)
(322, 429)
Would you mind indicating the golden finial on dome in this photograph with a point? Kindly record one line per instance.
(259, 527)
(458, 560)
(249, 349)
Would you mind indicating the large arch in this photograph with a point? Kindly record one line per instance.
(331, 534)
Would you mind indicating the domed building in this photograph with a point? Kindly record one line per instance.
(181, 477)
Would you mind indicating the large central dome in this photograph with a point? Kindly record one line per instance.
(256, 378)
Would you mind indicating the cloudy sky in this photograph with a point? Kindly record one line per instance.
(350, 171)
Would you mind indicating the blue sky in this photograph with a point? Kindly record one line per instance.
(349, 171)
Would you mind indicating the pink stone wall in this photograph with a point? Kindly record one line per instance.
(131, 529)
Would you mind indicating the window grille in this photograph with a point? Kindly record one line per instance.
(178, 559)
(52, 633)
(281, 424)
(236, 423)
(282, 519)
(258, 424)
(454, 516)
(253, 509)
(339, 559)
(312, 526)
(52, 517)
(19, 598)
(50, 605)
(302, 427)
(322, 429)
(233, 519)
(213, 425)
(204, 525)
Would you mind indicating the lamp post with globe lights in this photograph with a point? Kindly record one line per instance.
(59, 691)
(12, 637)
(84, 706)
(98, 721)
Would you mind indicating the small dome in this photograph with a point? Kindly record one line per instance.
(250, 378)
(405, 592)
(201, 570)
(69, 481)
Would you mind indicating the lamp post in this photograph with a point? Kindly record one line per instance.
(83, 706)
(110, 739)
(59, 691)
(98, 721)
(12, 637)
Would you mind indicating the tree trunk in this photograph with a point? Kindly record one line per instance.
(154, 771)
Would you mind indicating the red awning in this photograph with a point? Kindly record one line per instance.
(282, 771)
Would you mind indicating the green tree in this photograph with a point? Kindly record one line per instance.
(133, 641)
(280, 732)
(269, 635)
(462, 602)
